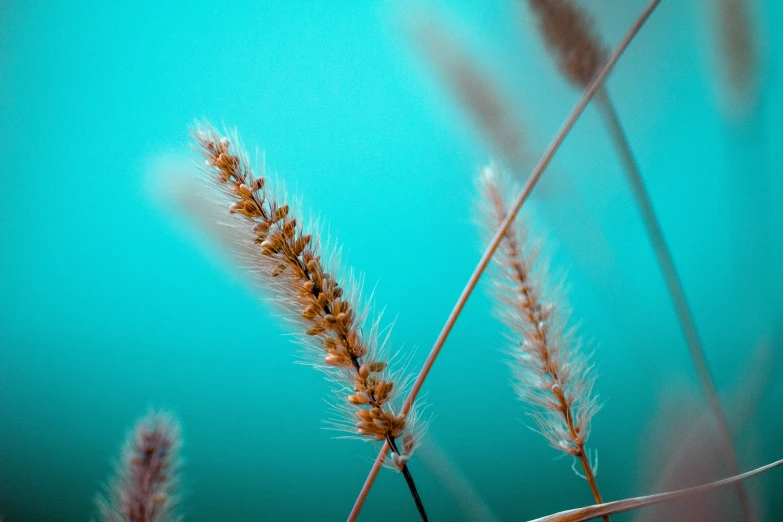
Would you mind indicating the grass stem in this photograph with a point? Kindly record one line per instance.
(629, 504)
(590, 476)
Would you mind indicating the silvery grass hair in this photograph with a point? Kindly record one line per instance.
(552, 373)
(323, 304)
(145, 488)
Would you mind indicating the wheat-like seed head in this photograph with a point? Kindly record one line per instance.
(288, 262)
(551, 371)
(568, 32)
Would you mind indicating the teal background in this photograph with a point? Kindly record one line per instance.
(110, 304)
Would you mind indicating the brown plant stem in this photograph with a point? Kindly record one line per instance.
(589, 473)
(673, 283)
(590, 476)
(493, 245)
(409, 480)
(629, 504)
(583, 459)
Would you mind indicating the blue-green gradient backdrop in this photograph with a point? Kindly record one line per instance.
(110, 304)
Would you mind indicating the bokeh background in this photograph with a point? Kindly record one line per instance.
(112, 300)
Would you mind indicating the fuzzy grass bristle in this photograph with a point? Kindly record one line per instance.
(290, 265)
(552, 373)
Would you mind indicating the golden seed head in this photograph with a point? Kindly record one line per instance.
(309, 313)
(281, 212)
(316, 329)
(244, 191)
(359, 351)
(383, 389)
(359, 398)
(300, 245)
(283, 248)
(289, 228)
(377, 366)
(336, 360)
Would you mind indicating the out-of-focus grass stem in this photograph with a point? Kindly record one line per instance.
(673, 283)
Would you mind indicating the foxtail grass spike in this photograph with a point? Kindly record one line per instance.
(538, 170)
(321, 302)
(145, 488)
(553, 375)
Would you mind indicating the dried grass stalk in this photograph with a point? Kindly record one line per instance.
(309, 290)
(145, 489)
(553, 375)
(629, 504)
